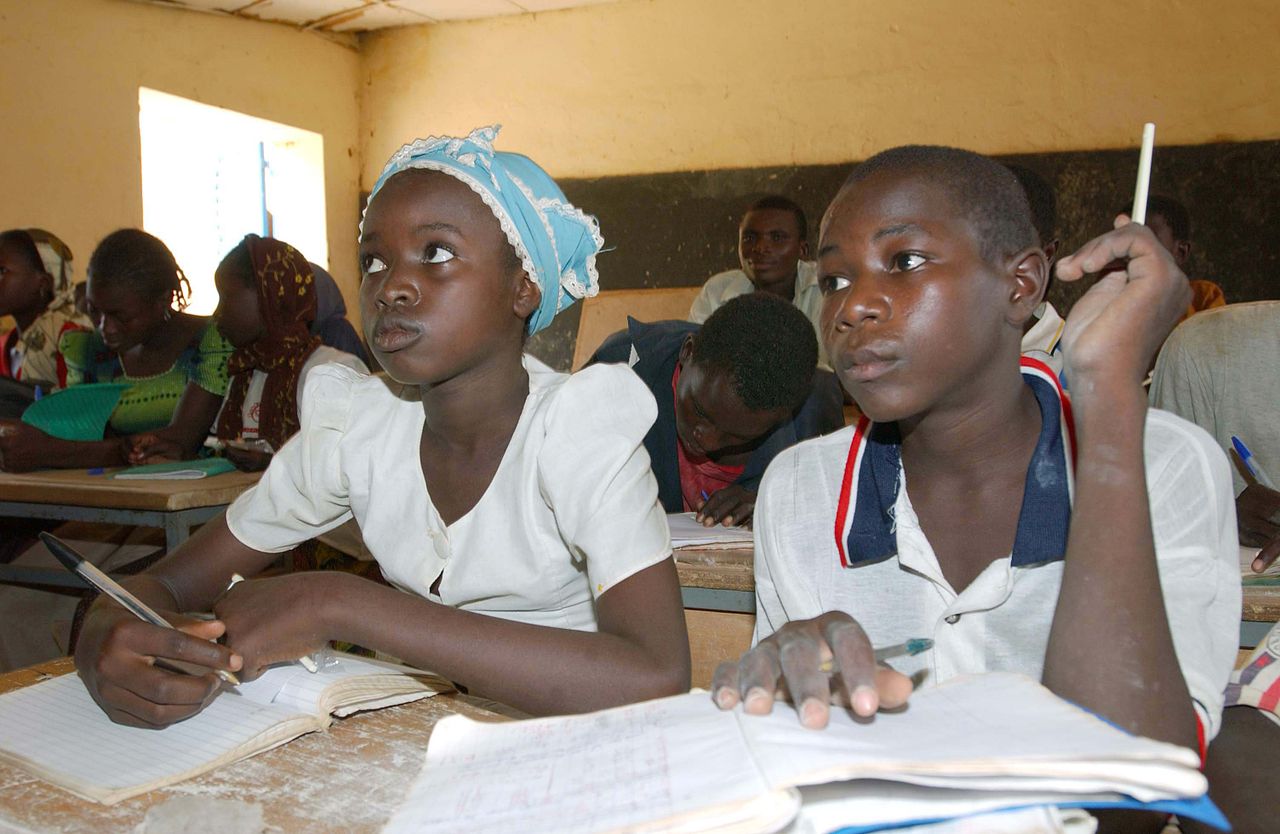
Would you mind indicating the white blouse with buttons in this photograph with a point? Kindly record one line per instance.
(1001, 622)
(571, 511)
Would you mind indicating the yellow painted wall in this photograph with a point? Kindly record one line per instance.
(69, 143)
(662, 85)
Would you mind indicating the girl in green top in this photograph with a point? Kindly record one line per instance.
(177, 363)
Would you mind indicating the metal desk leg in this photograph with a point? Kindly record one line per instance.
(176, 531)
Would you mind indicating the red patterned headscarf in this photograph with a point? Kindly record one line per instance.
(287, 302)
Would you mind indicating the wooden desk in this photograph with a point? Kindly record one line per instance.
(75, 495)
(349, 779)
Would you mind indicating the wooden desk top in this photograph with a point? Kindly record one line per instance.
(78, 488)
(349, 779)
(1262, 604)
(727, 569)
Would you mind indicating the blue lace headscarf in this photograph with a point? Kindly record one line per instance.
(557, 243)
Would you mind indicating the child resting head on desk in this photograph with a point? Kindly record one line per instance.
(176, 363)
(266, 301)
(512, 507)
(731, 394)
(956, 512)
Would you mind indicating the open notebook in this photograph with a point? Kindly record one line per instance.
(55, 731)
(973, 744)
(687, 532)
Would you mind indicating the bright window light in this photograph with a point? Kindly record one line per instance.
(210, 176)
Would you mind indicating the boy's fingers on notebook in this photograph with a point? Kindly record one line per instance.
(724, 685)
(810, 686)
(855, 659)
(759, 672)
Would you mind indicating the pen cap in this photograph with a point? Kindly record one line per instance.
(68, 557)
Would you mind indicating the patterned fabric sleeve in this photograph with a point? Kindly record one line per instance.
(207, 365)
(87, 358)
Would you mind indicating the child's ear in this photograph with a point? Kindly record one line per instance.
(528, 296)
(686, 349)
(1030, 282)
(804, 250)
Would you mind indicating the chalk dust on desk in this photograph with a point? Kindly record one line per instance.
(325, 802)
(202, 815)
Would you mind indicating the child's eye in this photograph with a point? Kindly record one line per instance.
(907, 261)
(437, 254)
(371, 264)
(829, 284)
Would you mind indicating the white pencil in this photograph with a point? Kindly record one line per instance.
(1144, 174)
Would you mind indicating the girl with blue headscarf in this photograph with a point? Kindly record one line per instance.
(512, 507)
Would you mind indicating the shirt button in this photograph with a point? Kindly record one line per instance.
(953, 619)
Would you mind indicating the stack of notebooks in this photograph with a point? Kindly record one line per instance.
(970, 746)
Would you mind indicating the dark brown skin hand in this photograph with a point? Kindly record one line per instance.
(1258, 517)
(22, 447)
(147, 448)
(788, 665)
(272, 620)
(733, 505)
(116, 657)
(248, 460)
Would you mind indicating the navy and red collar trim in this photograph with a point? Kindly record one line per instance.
(864, 526)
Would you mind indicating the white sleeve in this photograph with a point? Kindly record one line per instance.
(784, 579)
(1179, 384)
(594, 473)
(303, 493)
(1193, 520)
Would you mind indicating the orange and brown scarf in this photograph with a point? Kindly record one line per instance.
(287, 301)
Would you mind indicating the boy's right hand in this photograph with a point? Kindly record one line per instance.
(116, 656)
(789, 664)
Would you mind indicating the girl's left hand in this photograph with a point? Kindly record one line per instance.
(21, 446)
(248, 460)
(1120, 323)
(274, 620)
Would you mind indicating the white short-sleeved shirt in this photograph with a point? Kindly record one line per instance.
(252, 408)
(1001, 622)
(732, 283)
(572, 509)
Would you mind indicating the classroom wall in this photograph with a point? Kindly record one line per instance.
(665, 117)
(69, 143)
(644, 86)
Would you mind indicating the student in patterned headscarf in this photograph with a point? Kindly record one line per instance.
(35, 289)
(266, 303)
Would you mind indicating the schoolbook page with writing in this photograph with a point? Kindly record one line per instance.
(54, 729)
(599, 772)
(651, 766)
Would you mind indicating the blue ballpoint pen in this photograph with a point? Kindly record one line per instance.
(1251, 463)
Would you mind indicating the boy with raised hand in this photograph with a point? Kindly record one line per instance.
(731, 394)
(1088, 542)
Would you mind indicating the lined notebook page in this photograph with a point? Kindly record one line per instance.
(593, 772)
(55, 729)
